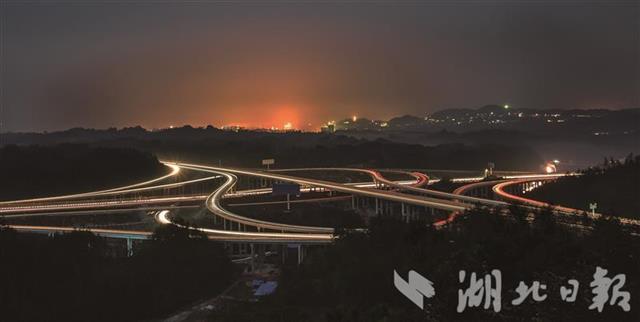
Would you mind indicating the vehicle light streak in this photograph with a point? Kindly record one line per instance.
(499, 190)
(163, 218)
(388, 195)
(174, 171)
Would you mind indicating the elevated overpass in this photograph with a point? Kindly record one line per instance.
(238, 228)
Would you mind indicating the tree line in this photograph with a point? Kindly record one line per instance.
(73, 277)
(614, 186)
(353, 279)
(35, 171)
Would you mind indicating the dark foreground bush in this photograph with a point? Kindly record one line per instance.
(70, 277)
(353, 280)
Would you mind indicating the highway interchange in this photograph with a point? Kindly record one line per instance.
(239, 228)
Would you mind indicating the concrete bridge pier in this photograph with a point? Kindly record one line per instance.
(129, 247)
(253, 258)
(300, 254)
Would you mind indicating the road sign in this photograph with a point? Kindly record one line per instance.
(268, 162)
(280, 189)
(288, 189)
(489, 171)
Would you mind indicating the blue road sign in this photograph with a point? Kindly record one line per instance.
(280, 189)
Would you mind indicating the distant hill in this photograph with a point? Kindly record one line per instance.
(492, 109)
(457, 112)
(557, 122)
(292, 149)
(406, 121)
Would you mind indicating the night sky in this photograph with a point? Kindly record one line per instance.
(106, 63)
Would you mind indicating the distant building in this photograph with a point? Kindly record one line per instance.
(234, 128)
(328, 128)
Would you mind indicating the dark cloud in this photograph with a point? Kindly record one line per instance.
(101, 64)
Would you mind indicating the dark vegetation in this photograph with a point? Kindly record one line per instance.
(35, 171)
(327, 175)
(307, 214)
(248, 148)
(353, 280)
(445, 184)
(615, 186)
(70, 278)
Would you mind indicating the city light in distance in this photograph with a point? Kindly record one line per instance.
(550, 167)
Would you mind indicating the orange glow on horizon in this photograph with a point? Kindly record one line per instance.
(286, 117)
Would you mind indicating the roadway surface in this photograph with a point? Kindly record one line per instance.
(269, 232)
(499, 190)
(174, 172)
